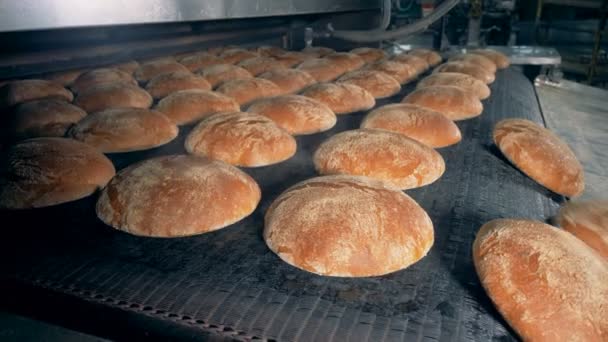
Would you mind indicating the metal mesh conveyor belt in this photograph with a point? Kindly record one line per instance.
(229, 282)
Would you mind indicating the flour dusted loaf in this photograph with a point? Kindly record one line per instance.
(15, 92)
(468, 68)
(219, 73)
(401, 72)
(289, 80)
(113, 95)
(420, 65)
(341, 98)
(347, 226)
(430, 56)
(370, 55)
(248, 90)
(188, 106)
(588, 221)
(453, 102)
(456, 79)
(100, 76)
(500, 59)
(149, 70)
(322, 69)
(377, 83)
(165, 84)
(44, 118)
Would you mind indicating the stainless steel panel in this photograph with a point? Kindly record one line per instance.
(17, 15)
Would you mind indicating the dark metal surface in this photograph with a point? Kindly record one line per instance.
(230, 283)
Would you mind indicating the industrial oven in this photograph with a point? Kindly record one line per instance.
(63, 265)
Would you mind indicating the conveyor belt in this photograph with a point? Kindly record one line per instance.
(228, 282)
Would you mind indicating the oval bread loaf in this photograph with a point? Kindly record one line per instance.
(44, 118)
(113, 95)
(188, 106)
(588, 221)
(16, 92)
(341, 98)
(165, 84)
(456, 79)
(377, 83)
(453, 102)
(247, 90)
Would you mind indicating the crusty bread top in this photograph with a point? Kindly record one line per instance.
(346, 60)
(456, 79)
(419, 64)
(268, 51)
(422, 124)
(341, 98)
(377, 83)
(44, 118)
(113, 95)
(100, 76)
(347, 226)
(322, 69)
(391, 157)
(541, 155)
(127, 66)
(165, 84)
(242, 139)
(402, 72)
(587, 220)
(64, 78)
(247, 90)
(289, 80)
(453, 102)
(187, 106)
(259, 65)
(318, 51)
(149, 70)
(292, 58)
(546, 283)
(430, 56)
(369, 55)
(219, 73)
(177, 195)
(16, 92)
(200, 60)
(465, 67)
(500, 59)
(233, 56)
(42, 172)
(477, 59)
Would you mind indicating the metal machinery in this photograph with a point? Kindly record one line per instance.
(63, 265)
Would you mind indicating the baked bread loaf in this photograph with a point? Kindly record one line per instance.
(113, 95)
(467, 68)
(292, 58)
(370, 55)
(419, 64)
(317, 51)
(456, 79)
(476, 59)
(200, 60)
(259, 65)
(177, 195)
(322, 69)
(347, 226)
(124, 130)
(220, 73)
(390, 157)
(588, 221)
(149, 70)
(296, 114)
(346, 61)
(401, 72)
(268, 51)
(44, 118)
(545, 282)
(97, 77)
(248, 90)
(341, 98)
(128, 66)
(188, 106)
(541, 155)
(242, 139)
(234, 56)
(453, 102)
(64, 78)
(500, 59)
(16, 92)
(377, 83)
(165, 84)
(430, 56)
(421, 124)
(289, 80)
(42, 172)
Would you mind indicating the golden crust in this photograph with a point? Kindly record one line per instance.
(500, 59)
(456, 79)
(369, 55)
(545, 282)
(588, 221)
(100, 76)
(113, 95)
(177, 195)
(377, 83)
(420, 65)
(317, 51)
(476, 59)
(322, 69)
(245, 91)
(166, 84)
(346, 61)
(453, 102)
(401, 72)
(468, 68)
(149, 70)
(219, 73)
(15, 92)
(347, 226)
(44, 118)
(235, 55)
(289, 80)
(430, 56)
(341, 98)
(541, 155)
(200, 60)
(188, 106)
(259, 65)
(393, 158)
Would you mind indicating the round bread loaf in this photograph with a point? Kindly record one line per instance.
(296, 114)
(401, 72)
(453, 102)
(467, 68)
(347, 226)
(421, 124)
(188, 106)
(500, 59)
(16, 92)
(42, 172)
(317, 51)
(44, 118)
(97, 77)
(177, 195)
(64, 78)
(541, 155)
(289, 80)
(420, 65)
(430, 56)
(200, 60)
(113, 95)
(341, 98)
(247, 90)
(124, 130)
(234, 56)
(149, 70)
(456, 79)
(588, 221)
(476, 59)
(268, 51)
(346, 61)
(128, 66)
(545, 282)
(242, 139)
(292, 58)
(259, 65)
(370, 55)
(321, 69)
(390, 157)
(220, 73)
(377, 83)
(165, 84)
